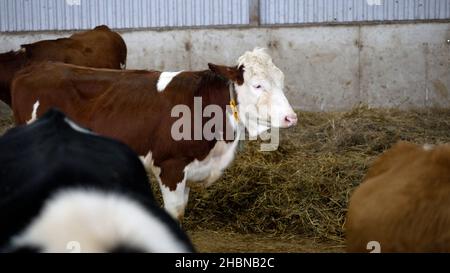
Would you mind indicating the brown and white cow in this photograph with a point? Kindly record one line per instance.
(100, 47)
(403, 205)
(137, 107)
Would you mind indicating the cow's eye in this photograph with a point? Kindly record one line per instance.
(258, 86)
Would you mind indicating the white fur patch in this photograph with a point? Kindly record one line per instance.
(76, 127)
(265, 104)
(97, 222)
(123, 66)
(34, 112)
(164, 79)
(148, 164)
(174, 201)
(211, 167)
(206, 171)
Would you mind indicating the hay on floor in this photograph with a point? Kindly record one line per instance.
(303, 187)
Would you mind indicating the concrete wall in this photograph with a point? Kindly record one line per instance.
(327, 67)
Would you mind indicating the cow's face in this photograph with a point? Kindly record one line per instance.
(259, 87)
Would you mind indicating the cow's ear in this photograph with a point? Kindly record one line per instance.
(233, 73)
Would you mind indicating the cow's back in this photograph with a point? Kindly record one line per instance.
(64, 50)
(66, 87)
(99, 48)
(36, 81)
(66, 169)
(404, 202)
(112, 46)
(93, 98)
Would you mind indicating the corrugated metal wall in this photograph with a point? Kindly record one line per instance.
(320, 11)
(29, 15)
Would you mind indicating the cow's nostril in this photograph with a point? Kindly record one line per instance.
(291, 119)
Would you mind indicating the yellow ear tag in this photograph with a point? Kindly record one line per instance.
(234, 109)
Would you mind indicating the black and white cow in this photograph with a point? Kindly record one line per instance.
(65, 189)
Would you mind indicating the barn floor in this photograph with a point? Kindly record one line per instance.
(295, 199)
(210, 241)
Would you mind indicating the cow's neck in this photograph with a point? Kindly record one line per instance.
(220, 91)
(210, 168)
(214, 90)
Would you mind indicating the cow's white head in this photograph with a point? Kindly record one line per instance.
(259, 87)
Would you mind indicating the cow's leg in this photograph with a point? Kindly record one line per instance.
(175, 201)
(173, 186)
(172, 182)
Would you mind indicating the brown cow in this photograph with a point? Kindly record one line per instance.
(403, 205)
(141, 108)
(99, 47)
